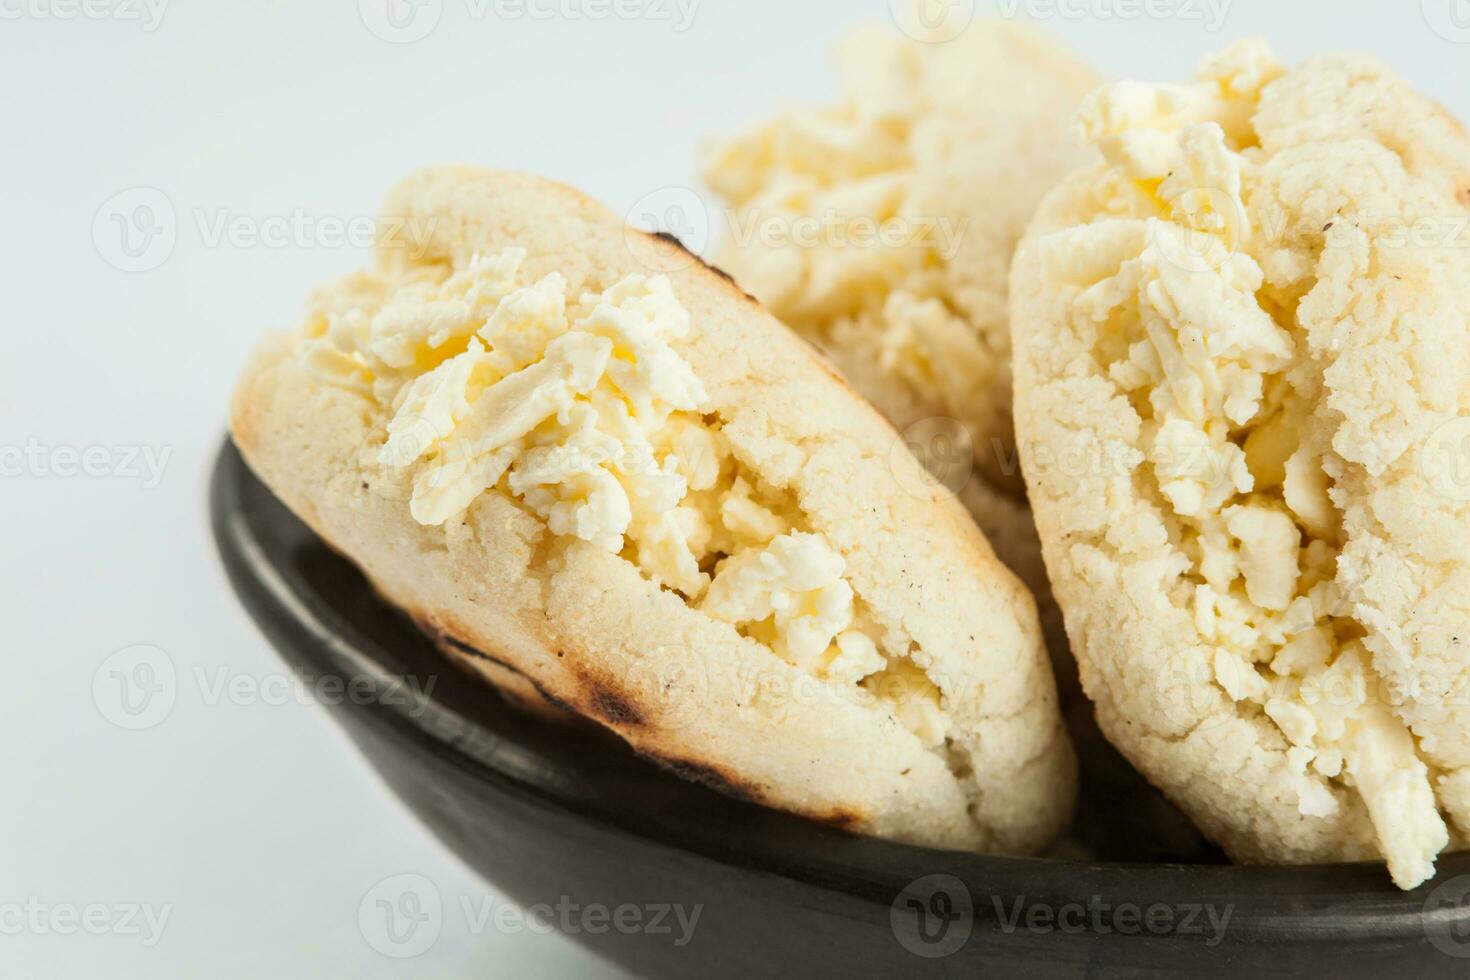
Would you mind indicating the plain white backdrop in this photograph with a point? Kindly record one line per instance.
(227, 152)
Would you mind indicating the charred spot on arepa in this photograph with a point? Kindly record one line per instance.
(671, 239)
(447, 639)
(707, 774)
(840, 819)
(609, 705)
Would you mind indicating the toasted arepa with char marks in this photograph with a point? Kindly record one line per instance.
(609, 481)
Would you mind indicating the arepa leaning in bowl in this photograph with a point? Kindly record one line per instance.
(1242, 387)
(609, 480)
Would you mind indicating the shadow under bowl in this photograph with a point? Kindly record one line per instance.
(615, 848)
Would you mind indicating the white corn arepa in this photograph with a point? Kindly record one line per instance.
(882, 228)
(1243, 385)
(756, 604)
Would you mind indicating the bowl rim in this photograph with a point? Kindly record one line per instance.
(1270, 904)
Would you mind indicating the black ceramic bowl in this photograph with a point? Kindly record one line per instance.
(555, 814)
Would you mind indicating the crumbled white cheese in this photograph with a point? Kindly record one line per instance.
(797, 580)
(1253, 506)
(587, 413)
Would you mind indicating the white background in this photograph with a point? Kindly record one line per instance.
(255, 824)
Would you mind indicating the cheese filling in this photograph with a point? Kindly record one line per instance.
(587, 414)
(843, 243)
(1204, 353)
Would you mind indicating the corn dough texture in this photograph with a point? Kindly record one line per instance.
(945, 149)
(1242, 388)
(575, 623)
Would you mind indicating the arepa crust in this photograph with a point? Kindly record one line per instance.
(1240, 347)
(580, 627)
